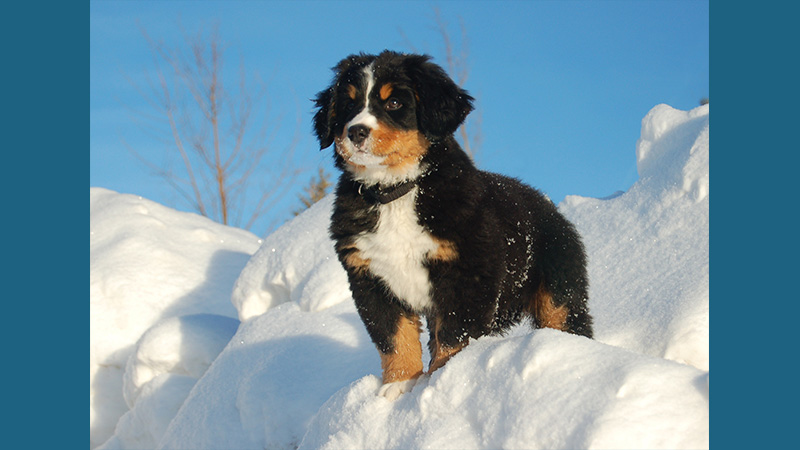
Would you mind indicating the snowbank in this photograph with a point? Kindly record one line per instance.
(648, 249)
(296, 263)
(300, 371)
(149, 263)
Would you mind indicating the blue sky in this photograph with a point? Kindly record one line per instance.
(561, 86)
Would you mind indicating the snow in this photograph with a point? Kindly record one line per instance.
(203, 337)
(648, 249)
(149, 267)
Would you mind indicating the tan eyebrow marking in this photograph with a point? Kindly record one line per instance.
(351, 91)
(386, 91)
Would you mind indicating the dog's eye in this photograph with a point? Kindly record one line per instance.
(393, 104)
(349, 106)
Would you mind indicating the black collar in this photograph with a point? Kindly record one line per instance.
(387, 194)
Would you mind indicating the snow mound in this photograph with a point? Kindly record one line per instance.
(296, 263)
(664, 130)
(535, 390)
(168, 360)
(648, 248)
(185, 345)
(150, 263)
(274, 375)
(301, 372)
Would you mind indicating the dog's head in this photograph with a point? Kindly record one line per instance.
(383, 111)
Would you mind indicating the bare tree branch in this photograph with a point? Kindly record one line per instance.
(211, 131)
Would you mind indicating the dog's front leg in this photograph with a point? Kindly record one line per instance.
(395, 332)
(401, 361)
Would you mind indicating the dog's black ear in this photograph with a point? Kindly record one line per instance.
(323, 119)
(442, 104)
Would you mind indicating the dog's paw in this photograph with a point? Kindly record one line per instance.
(393, 390)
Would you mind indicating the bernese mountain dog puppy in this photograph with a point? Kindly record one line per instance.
(422, 232)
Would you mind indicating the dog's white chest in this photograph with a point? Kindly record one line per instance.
(397, 250)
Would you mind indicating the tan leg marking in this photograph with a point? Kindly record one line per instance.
(406, 361)
(546, 314)
(440, 354)
(445, 251)
(353, 258)
(443, 354)
(356, 262)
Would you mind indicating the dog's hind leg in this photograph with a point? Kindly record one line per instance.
(442, 346)
(561, 312)
(561, 298)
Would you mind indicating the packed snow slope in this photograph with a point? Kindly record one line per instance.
(197, 344)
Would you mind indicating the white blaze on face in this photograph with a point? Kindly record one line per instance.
(365, 117)
(363, 156)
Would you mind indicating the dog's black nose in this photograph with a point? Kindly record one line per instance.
(358, 134)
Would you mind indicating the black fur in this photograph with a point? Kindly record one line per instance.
(511, 240)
